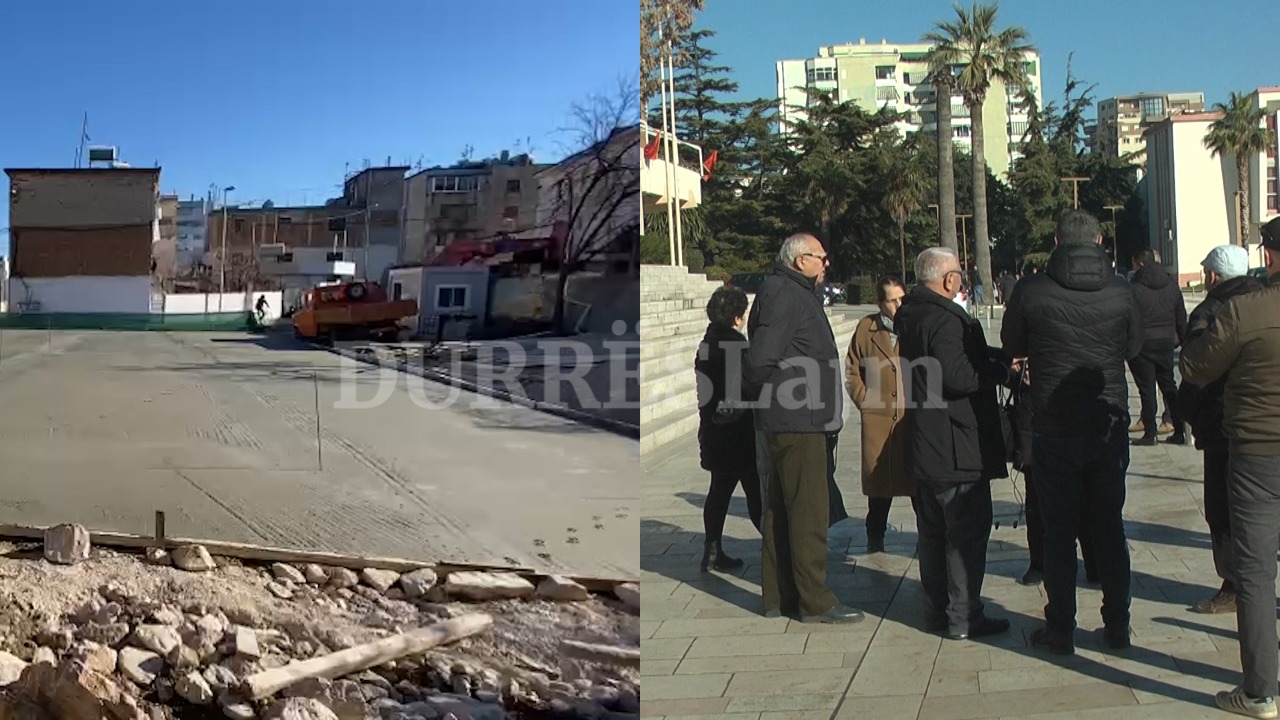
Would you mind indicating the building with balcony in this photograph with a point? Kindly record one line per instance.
(1264, 195)
(1122, 120)
(894, 76)
(658, 185)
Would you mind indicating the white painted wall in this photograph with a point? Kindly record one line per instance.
(199, 303)
(81, 294)
(1204, 190)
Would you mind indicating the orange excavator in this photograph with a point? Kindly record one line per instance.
(355, 310)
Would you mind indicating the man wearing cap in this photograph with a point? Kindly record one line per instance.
(1242, 345)
(1226, 275)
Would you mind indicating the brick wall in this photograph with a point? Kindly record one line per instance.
(57, 252)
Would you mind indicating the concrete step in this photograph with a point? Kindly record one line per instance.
(701, 293)
(677, 356)
(659, 432)
(681, 400)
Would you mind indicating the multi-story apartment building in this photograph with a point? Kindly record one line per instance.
(894, 76)
(468, 201)
(192, 221)
(165, 252)
(1264, 199)
(1122, 120)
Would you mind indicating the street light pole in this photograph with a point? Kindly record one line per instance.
(1115, 235)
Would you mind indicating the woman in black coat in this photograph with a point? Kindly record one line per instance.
(726, 434)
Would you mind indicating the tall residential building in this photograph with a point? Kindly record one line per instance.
(192, 221)
(1264, 199)
(1123, 119)
(893, 75)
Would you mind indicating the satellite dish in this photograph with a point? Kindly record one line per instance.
(268, 205)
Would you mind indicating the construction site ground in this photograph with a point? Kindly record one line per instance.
(219, 430)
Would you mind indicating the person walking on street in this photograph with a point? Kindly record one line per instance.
(874, 380)
(1226, 275)
(1077, 324)
(726, 429)
(1164, 326)
(954, 446)
(1242, 345)
(793, 367)
(1007, 281)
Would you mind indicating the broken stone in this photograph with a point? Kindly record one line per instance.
(629, 594)
(285, 571)
(106, 634)
(193, 688)
(140, 666)
(373, 692)
(115, 592)
(219, 677)
(159, 639)
(378, 579)
(395, 593)
(89, 610)
(299, 708)
(557, 587)
(44, 655)
(239, 711)
(73, 691)
(210, 628)
(11, 667)
(193, 558)
(247, 642)
(628, 701)
(474, 585)
(95, 656)
(341, 577)
(279, 590)
(108, 613)
(272, 662)
(443, 704)
(66, 544)
(157, 556)
(315, 574)
(367, 593)
(183, 657)
(461, 684)
(417, 583)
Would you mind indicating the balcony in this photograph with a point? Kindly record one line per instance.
(655, 174)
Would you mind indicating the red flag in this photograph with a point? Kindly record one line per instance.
(651, 150)
(709, 164)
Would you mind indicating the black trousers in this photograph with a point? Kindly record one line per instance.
(954, 524)
(1217, 511)
(716, 507)
(1035, 532)
(878, 515)
(1077, 475)
(1151, 369)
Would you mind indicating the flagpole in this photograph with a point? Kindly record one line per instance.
(675, 144)
(667, 171)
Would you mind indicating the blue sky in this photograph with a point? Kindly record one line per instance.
(274, 97)
(1122, 45)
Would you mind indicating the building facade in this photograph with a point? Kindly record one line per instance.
(165, 252)
(1123, 119)
(468, 201)
(81, 240)
(1264, 195)
(894, 76)
(192, 222)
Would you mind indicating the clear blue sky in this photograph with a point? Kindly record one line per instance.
(1124, 46)
(274, 97)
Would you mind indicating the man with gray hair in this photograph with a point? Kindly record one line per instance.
(793, 367)
(954, 446)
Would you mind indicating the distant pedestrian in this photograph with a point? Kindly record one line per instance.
(1164, 326)
(1226, 275)
(793, 366)
(953, 445)
(1242, 345)
(1007, 281)
(873, 377)
(726, 429)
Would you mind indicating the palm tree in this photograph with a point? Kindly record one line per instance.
(985, 55)
(908, 187)
(943, 82)
(1240, 133)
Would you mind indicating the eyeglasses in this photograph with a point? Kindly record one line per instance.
(824, 258)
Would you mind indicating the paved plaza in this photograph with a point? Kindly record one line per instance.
(708, 653)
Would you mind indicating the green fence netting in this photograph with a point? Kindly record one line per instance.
(225, 321)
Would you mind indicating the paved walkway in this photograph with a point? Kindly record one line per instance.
(707, 652)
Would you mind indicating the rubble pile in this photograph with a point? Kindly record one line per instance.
(146, 650)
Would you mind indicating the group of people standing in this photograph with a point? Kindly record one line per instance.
(925, 382)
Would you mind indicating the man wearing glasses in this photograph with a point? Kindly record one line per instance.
(793, 366)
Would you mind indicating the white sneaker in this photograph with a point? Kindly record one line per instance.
(1238, 702)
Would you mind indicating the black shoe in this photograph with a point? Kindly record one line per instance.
(982, 627)
(1178, 437)
(1117, 637)
(1031, 577)
(713, 556)
(875, 545)
(839, 615)
(1046, 639)
(1146, 440)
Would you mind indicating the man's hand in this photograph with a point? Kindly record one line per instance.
(1018, 368)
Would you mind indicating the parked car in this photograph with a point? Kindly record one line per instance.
(833, 294)
(748, 282)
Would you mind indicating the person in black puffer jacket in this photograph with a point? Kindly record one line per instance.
(1226, 272)
(1076, 324)
(1164, 327)
(726, 434)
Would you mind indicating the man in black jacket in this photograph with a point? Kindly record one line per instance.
(1076, 324)
(1226, 275)
(793, 366)
(1164, 327)
(954, 446)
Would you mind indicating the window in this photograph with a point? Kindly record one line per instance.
(455, 183)
(1153, 106)
(284, 257)
(960, 131)
(1018, 128)
(513, 186)
(285, 220)
(334, 256)
(827, 74)
(239, 226)
(510, 212)
(887, 93)
(906, 78)
(885, 72)
(451, 297)
(396, 291)
(1029, 68)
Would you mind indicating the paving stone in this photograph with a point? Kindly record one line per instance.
(684, 687)
(757, 645)
(756, 663)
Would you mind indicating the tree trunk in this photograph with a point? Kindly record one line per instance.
(946, 169)
(562, 280)
(1242, 174)
(981, 241)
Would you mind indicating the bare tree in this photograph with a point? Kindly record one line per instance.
(663, 23)
(595, 193)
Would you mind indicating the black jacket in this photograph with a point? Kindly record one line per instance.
(1078, 325)
(726, 439)
(1202, 407)
(793, 364)
(952, 421)
(1164, 314)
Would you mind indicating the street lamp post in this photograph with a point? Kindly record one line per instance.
(222, 253)
(1115, 235)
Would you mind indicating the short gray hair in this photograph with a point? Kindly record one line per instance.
(793, 247)
(934, 263)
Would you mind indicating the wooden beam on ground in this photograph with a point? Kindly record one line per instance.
(603, 654)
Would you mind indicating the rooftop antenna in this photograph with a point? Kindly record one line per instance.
(84, 137)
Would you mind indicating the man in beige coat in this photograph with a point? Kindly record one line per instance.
(874, 381)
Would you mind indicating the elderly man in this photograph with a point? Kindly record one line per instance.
(1242, 345)
(954, 446)
(793, 366)
(1226, 275)
(1076, 324)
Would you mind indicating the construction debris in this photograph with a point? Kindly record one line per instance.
(66, 544)
(115, 637)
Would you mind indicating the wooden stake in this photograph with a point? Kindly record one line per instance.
(603, 654)
(361, 657)
(160, 528)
